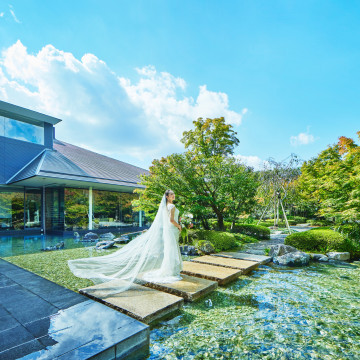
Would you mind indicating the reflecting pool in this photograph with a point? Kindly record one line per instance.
(275, 313)
(18, 245)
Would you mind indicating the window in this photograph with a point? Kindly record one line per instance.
(11, 210)
(19, 130)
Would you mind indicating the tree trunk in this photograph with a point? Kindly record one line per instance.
(220, 220)
(205, 223)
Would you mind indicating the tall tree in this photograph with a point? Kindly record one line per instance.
(200, 176)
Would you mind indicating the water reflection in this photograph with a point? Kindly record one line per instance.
(18, 245)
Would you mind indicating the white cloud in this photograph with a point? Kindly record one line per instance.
(12, 12)
(253, 161)
(2, 14)
(302, 139)
(134, 122)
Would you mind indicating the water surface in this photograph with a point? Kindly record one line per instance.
(276, 313)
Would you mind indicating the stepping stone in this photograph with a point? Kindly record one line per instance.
(244, 265)
(190, 288)
(140, 302)
(216, 273)
(261, 259)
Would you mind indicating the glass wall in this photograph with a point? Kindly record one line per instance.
(11, 209)
(22, 131)
(32, 208)
(76, 209)
(110, 210)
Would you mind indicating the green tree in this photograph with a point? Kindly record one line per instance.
(331, 181)
(205, 179)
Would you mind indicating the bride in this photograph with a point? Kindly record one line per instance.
(152, 256)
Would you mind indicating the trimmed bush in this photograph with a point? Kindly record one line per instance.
(317, 241)
(221, 240)
(257, 231)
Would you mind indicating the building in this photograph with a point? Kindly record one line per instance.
(50, 186)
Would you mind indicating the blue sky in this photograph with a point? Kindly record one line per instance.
(285, 73)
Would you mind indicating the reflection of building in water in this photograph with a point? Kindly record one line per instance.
(47, 185)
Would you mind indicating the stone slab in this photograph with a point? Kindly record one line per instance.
(140, 302)
(220, 274)
(190, 288)
(244, 265)
(261, 259)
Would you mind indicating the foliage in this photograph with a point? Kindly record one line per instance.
(259, 232)
(277, 185)
(330, 183)
(210, 137)
(206, 179)
(319, 240)
(220, 239)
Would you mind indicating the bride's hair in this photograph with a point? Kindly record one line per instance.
(167, 193)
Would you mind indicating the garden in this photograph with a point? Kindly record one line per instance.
(278, 312)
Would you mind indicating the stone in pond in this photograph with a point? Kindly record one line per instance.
(281, 249)
(292, 259)
(76, 235)
(188, 250)
(105, 244)
(342, 256)
(108, 236)
(90, 236)
(320, 257)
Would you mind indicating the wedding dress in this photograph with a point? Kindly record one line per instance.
(152, 256)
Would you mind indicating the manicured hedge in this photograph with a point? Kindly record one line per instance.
(317, 240)
(221, 240)
(257, 231)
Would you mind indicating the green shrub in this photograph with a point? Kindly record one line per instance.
(259, 232)
(317, 241)
(352, 231)
(318, 222)
(220, 239)
(242, 238)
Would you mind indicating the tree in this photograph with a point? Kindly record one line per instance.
(205, 178)
(331, 181)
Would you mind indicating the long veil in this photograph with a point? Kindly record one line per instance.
(152, 256)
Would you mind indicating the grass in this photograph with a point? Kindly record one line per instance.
(53, 265)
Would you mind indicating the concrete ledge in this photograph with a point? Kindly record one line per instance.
(220, 274)
(261, 259)
(243, 265)
(140, 302)
(190, 288)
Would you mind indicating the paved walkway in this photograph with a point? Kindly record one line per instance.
(41, 319)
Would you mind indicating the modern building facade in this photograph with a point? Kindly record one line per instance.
(49, 186)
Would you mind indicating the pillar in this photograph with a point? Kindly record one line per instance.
(90, 208)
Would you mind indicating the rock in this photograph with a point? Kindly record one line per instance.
(206, 247)
(188, 250)
(319, 257)
(281, 249)
(122, 239)
(297, 258)
(108, 236)
(342, 256)
(76, 235)
(90, 236)
(105, 244)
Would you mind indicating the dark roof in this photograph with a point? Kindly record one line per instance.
(71, 162)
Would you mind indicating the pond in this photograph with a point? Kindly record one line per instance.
(19, 245)
(276, 313)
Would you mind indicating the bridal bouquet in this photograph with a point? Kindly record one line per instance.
(186, 224)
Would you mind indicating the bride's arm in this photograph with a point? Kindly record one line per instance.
(172, 214)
